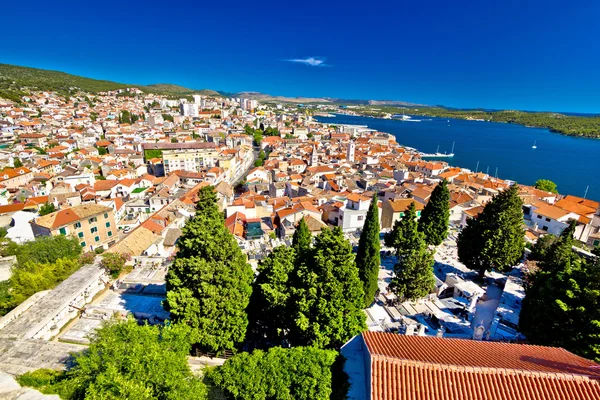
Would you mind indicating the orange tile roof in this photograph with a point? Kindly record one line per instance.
(11, 208)
(70, 215)
(431, 368)
(401, 205)
(551, 211)
(577, 208)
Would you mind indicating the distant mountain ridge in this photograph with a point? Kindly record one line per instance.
(15, 79)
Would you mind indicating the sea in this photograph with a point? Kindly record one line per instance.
(500, 149)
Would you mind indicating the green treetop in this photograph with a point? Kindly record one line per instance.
(413, 273)
(47, 208)
(127, 361)
(561, 304)
(368, 257)
(269, 309)
(314, 299)
(294, 373)
(329, 296)
(209, 282)
(495, 238)
(301, 241)
(403, 237)
(546, 185)
(434, 218)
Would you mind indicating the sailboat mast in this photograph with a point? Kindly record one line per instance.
(452, 152)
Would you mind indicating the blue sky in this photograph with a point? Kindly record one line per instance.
(533, 55)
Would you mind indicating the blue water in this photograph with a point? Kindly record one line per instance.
(573, 163)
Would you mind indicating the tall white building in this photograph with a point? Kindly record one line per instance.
(351, 151)
(189, 109)
(197, 99)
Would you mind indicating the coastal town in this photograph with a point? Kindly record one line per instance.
(121, 172)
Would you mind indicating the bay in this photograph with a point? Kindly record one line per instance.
(572, 163)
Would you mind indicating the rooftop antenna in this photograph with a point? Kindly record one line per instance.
(586, 190)
(477, 167)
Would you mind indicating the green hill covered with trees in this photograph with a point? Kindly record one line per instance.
(17, 81)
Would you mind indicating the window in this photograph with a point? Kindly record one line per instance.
(596, 242)
(97, 238)
(108, 224)
(77, 225)
(547, 219)
(92, 220)
(105, 215)
(539, 216)
(360, 217)
(80, 234)
(82, 244)
(63, 231)
(545, 228)
(109, 233)
(94, 230)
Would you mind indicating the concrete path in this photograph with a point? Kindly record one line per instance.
(485, 310)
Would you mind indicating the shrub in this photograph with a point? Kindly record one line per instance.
(114, 263)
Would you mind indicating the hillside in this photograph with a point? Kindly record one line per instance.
(169, 88)
(15, 81)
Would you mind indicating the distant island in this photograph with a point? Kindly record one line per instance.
(15, 81)
(569, 125)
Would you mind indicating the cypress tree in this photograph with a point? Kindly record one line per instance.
(269, 309)
(368, 257)
(209, 282)
(328, 296)
(434, 218)
(403, 236)
(413, 273)
(302, 238)
(495, 239)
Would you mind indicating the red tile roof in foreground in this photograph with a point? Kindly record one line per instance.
(429, 368)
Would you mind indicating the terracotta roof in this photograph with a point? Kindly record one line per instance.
(11, 208)
(577, 208)
(70, 215)
(430, 368)
(401, 205)
(550, 211)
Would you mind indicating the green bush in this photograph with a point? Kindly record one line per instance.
(294, 373)
(40, 378)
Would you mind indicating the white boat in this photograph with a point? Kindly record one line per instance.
(437, 153)
(534, 145)
(405, 118)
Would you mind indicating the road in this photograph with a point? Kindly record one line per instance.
(248, 166)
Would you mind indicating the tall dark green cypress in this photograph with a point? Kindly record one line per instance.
(434, 218)
(368, 257)
(209, 282)
(413, 274)
(301, 242)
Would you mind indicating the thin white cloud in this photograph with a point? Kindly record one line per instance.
(310, 61)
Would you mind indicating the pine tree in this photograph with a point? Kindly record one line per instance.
(368, 256)
(414, 277)
(434, 218)
(561, 306)
(403, 236)
(494, 239)
(269, 309)
(209, 282)
(413, 273)
(328, 298)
